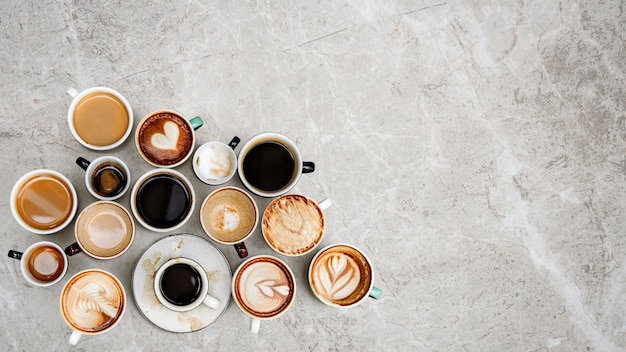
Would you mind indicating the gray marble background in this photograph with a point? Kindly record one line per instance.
(475, 150)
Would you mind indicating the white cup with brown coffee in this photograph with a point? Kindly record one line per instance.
(229, 215)
(181, 285)
(43, 201)
(270, 164)
(103, 230)
(264, 288)
(42, 264)
(293, 224)
(342, 276)
(215, 163)
(92, 302)
(99, 118)
(165, 138)
(106, 178)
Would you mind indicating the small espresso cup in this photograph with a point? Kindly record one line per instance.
(162, 200)
(43, 263)
(229, 215)
(294, 224)
(341, 275)
(103, 230)
(215, 163)
(165, 138)
(43, 201)
(181, 284)
(270, 164)
(106, 178)
(92, 302)
(264, 288)
(99, 118)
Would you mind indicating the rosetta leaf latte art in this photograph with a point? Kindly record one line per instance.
(338, 277)
(270, 289)
(93, 300)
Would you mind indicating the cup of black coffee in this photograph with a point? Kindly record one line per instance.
(181, 284)
(162, 200)
(106, 178)
(270, 164)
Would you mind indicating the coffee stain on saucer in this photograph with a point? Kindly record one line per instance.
(194, 323)
(214, 275)
(180, 245)
(149, 266)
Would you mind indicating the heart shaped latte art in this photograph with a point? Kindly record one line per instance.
(169, 140)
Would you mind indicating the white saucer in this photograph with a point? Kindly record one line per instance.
(192, 247)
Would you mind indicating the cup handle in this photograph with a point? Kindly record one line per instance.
(255, 324)
(83, 163)
(196, 122)
(15, 254)
(233, 143)
(375, 292)
(72, 92)
(308, 167)
(242, 251)
(72, 249)
(325, 204)
(211, 302)
(75, 337)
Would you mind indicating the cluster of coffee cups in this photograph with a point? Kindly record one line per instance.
(162, 200)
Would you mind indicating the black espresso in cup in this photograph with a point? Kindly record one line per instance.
(108, 180)
(163, 201)
(181, 284)
(269, 166)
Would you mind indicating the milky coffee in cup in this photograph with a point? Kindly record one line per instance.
(263, 287)
(229, 215)
(104, 230)
(293, 224)
(215, 162)
(92, 302)
(165, 138)
(99, 118)
(42, 263)
(341, 276)
(43, 201)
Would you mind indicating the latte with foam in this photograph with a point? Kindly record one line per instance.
(93, 301)
(229, 215)
(264, 287)
(214, 163)
(165, 138)
(293, 224)
(340, 275)
(104, 230)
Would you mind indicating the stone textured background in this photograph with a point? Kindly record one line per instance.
(475, 150)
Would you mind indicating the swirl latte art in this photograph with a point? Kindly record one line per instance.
(92, 301)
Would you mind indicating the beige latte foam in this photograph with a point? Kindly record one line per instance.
(92, 301)
(264, 288)
(104, 229)
(293, 224)
(228, 215)
(341, 275)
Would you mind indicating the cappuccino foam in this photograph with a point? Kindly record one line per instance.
(214, 162)
(228, 215)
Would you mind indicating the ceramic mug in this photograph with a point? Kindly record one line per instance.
(106, 178)
(42, 264)
(215, 163)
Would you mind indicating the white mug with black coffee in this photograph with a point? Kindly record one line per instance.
(270, 164)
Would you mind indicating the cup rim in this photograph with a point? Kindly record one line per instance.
(292, 254)
(81, 95)
(234, 282)
(188, 124)
(27, 275)
(223, 180)
(251, 143)
(13, 199)
(145, 176)
(95, 204)
(327, 301)
(256, 217)
(124, 297)
(97, 162)
(204, 290)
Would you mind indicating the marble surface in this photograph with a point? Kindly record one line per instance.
(475, 150)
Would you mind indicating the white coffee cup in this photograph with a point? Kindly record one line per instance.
(180, 287)
(102, 169)
(215, 163)
(42, 264)
(113, 131)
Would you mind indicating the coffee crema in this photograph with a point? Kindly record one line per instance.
(109, 179)
(45, 263)
(165, 138)
(163, 201)
(104, 229)
(44, 202)
(228, 215)
(92, 301)
(341, 275)
(269, 166)
(264, 287)
(293, 224)
(101, 119)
